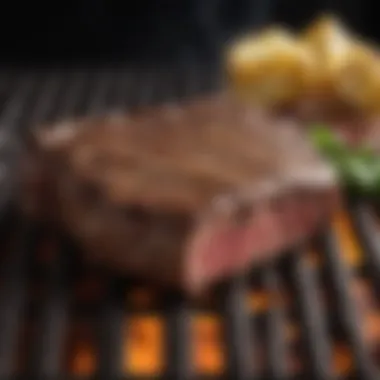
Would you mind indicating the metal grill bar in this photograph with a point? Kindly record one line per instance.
(275, 327)
(79, 94)
(100, 92)
(239, 335)
(312, 316)
(179, 350)
(123, 89)
(7, 80)
(147, 88)
(48, 91)
(339, 277)
(17, 102)
(9, 150)
(364, 224)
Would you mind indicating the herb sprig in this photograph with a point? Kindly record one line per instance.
(358, 168)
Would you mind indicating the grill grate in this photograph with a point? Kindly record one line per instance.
(299, 318)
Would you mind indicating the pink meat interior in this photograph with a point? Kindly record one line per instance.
(225, 247)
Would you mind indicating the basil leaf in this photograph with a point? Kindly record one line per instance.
(358, 168)
(326, 141)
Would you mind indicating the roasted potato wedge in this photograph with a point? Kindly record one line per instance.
(330, 43)
(358, 78)
(269, 68)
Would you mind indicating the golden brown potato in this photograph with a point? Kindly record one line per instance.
(358, 78)
(270, 67)
(325, 64)
(331, 45)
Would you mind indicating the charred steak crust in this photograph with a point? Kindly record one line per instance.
(185, 194)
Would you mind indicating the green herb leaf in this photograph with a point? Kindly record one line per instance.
(326, 141)
(358, 168)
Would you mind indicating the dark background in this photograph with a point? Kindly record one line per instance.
(147, 30)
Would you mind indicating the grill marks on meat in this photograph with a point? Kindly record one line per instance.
(187, 194)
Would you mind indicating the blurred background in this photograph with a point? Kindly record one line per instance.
(151, 30)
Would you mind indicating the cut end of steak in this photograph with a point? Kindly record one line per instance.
(183, 194)
(266, 229)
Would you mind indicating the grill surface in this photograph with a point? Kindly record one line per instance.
(312, 315)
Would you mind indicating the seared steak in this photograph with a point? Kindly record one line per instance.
(184, 194)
